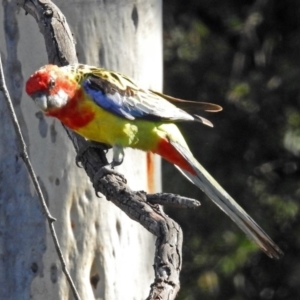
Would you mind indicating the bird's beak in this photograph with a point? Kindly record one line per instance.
(41, 101)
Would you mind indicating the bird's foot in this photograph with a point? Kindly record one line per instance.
(115, 163)
(87, 146)
(118, 156)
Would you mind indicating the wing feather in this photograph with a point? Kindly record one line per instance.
(118, 94)
(191, 106)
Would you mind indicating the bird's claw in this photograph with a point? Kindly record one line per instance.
(116, 163)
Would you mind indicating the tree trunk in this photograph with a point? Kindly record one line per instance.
(109, 256)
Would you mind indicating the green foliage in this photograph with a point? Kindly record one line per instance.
(245, 56)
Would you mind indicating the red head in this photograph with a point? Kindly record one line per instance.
(57, 93)
(51, 87)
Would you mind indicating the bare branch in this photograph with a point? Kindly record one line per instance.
(172, 200)
(53, 26)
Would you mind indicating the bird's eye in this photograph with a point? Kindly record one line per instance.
(51, 83)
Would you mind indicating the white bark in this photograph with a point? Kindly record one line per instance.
(109, 256)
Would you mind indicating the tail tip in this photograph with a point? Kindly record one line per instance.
(274, 252)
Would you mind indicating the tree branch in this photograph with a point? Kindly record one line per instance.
(137, 205)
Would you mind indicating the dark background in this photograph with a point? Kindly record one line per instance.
(245, 56)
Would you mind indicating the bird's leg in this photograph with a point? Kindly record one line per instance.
(118, 155)
(88, 145)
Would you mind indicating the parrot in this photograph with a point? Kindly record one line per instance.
(108, 107)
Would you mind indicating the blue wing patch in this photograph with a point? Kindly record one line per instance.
(114, 103)
(137, 104)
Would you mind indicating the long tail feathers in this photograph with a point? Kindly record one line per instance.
(225, 202)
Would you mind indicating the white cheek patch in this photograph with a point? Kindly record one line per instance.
(59, 99)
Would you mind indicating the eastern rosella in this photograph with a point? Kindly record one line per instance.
(110, 108)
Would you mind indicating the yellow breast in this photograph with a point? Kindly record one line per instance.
(108, 128)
